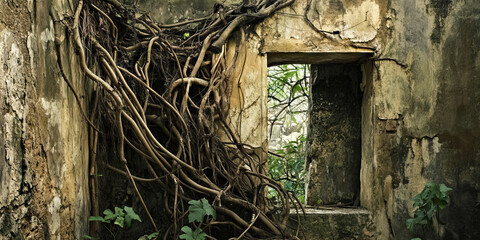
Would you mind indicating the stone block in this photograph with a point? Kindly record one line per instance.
(335, 224)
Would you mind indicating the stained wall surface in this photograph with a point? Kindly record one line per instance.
(420, 108)
(421, 96)
(43, 137)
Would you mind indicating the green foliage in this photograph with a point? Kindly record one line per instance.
(89, 237)
(149, 237)
(286, 82)
(287, 102)
(120, 217)
(433, 198)
(289, 169)
(199, 209)
(152, 235)
(189, 234)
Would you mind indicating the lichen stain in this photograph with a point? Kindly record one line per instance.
(441, 9)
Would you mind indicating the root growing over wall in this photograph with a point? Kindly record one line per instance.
(163, 91)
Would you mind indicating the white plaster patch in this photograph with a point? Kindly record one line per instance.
(52, 109)
(11, 191)
(12, 71)
(426, 151)
(54, 209)
(47, 35)
(436, 145)
(31, 52)
(361, 23)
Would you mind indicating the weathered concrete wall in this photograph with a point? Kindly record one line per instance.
(426, 115)
(43, 138)
(420, 118)
(173, 11)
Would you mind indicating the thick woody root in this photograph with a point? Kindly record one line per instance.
(167, 97)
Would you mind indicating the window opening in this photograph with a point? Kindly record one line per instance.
(288, 88)
(324, 102)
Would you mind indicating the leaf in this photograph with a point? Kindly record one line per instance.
(443, 204)
(119, 212)
(89, 237)
(410, 224)
(152, 235)
(196, 212)
(444, 188)
(130, 215)
(208, 208)
(108, 212)
(198, 209)
(302, 199)
(417, 238)
(109, 215)
(199, 234)
(188, 232)
(119, 221)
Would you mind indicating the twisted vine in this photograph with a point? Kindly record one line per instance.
(166, 95)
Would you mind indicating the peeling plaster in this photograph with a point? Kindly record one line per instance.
(48, 35)
(12, 72)
(362, 23)
(54, 210)
(52, 110)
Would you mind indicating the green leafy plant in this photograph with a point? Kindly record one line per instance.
(152, 235)
(189, 234)
(288, 87)
(428, 203)
(119, 216)
(289, 169)
(198, 209)
(149, 237)
(89, 237)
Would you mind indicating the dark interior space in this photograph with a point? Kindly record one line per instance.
(334, 135)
